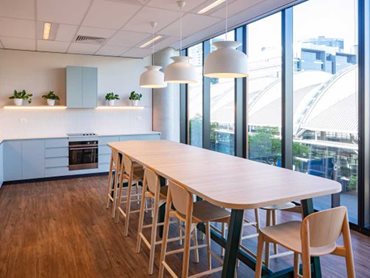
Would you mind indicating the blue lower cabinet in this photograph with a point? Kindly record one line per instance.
(33, 159)
(13, 160)
(140, 137)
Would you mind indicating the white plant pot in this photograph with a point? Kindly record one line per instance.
(111, 102)
(51, 102)
(134, 102)
(18, 101)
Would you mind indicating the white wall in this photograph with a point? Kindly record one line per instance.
(40, 72)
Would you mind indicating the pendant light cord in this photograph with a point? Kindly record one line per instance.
(181, 14)
(226, 18)
(153, 39)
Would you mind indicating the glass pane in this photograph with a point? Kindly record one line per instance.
(326, 96)
(264, 90)
(195, 97)
(222, 110)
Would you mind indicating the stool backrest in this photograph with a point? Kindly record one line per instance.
(152, 180)
(127, 164)
(323, 228)
(181, 198)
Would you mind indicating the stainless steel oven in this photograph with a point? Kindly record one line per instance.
(83, 151)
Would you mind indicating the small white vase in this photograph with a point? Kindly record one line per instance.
(134, 102)
(18, 101)
(111, 102)
(51, 102)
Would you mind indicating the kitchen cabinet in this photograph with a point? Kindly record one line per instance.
(1, 165)
(82, 87)
(24, 159)
(13, 160)
(33, 153)
(45, 158)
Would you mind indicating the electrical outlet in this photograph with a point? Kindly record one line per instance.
(23, 120)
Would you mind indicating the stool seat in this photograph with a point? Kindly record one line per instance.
(282, 206)
(204, 211)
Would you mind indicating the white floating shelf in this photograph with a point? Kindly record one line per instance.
(59, 107)
(39, 107)
(106, 107)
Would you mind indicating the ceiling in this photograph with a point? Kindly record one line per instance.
(124, 24)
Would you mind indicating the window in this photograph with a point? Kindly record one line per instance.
(326, 96)
(264, 90)
(222, 110)
(195, 98)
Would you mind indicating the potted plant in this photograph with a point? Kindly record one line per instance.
(20, 96)
(111, 98)
(135, 98)
(51, 97)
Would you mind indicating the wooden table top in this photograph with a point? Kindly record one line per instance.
(225, 180)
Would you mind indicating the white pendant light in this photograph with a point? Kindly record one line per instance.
(226, 61)
(180, 71)
(152, 78)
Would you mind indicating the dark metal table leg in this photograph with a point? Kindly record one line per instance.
(232, 246)
(307, 208)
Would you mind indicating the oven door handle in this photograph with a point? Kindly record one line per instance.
(83, 148)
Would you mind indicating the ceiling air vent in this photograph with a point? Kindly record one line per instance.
(89, 39)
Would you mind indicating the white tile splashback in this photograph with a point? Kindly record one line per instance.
(36, 123)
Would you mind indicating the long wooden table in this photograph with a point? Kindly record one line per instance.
(229, 182)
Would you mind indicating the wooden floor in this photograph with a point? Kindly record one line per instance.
(61, 228)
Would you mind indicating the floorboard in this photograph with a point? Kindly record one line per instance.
(61, 228)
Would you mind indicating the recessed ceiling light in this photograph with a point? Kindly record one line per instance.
(211, 6)
(47, 29)
(151, 41)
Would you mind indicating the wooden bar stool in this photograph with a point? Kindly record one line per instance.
(271, 221)
(151, 190)
(113, 180)
(133, 176)
(180, 205)
(315, 236)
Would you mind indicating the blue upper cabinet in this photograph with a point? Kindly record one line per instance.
(82, 87)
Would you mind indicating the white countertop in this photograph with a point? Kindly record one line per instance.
(64, 135)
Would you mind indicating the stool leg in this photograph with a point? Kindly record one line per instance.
(128, 206)
(296, 265)
(180, 232)
(223, 229)
(141, 218)
(117, 195)
(274, 223)
(165, 236)
(208, 239)
(154, 234)
(196, 250)
(185, 260)
(110, 177)
(257, 218)
(348, 247)
(267, 244)
(259, 256)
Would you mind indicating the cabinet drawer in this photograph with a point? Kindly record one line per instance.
(56, 143)
(56, 152)
(56, 172)
(56, 162)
